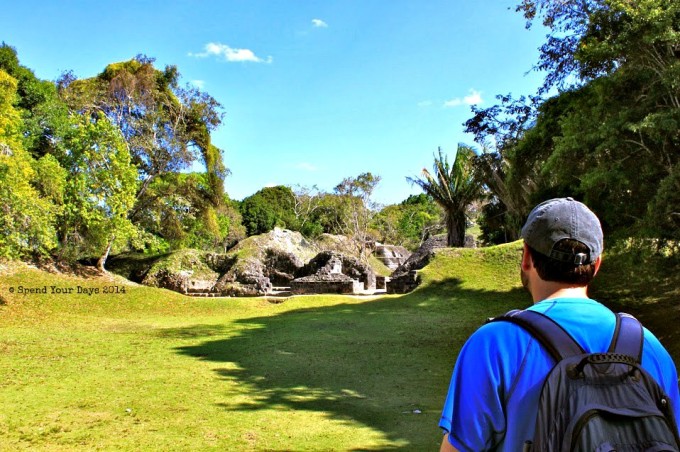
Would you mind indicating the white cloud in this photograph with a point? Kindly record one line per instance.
(230, 54)
(200, 84)
(318, 23)
(474, 98)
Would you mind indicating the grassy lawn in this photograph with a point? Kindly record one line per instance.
(150, 369)
(153, 370)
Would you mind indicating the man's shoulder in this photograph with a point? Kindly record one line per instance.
(654, 349)
(498, 334)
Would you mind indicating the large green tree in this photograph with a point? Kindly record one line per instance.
(518, 138)
(268, 208)
(454, 187)
(166, 127)
(44, 115)
(26, 218)
(178, 210)
(100, 189)
(618, 144)
(610, 135)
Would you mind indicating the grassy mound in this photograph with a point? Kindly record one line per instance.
(137, 368)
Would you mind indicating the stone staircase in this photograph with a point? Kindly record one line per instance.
(209, 293)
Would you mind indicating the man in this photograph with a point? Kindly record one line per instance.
(493, 396)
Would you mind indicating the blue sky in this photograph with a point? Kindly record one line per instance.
(313, 91)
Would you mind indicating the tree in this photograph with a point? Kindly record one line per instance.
(518, 138)
(567, 22)
(307, 202)
(613, 123)
(100, 190)
(622, 124)
(178, 208)
(357, 208)
(166, 127)
(231, 223)
(268, 208)
(26, 218)
(328, 216)
(410, 222)
(44, 115)
(454, 188)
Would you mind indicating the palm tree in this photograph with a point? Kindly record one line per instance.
(454, 188)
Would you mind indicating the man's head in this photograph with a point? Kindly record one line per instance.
(565, 240)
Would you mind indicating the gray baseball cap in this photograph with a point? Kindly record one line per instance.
(559, 219)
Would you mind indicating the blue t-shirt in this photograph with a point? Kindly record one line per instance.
(493, 396)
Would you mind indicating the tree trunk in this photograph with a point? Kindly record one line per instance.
(455, 227)
(105, 256)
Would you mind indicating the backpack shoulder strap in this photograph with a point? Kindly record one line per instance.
(628, 337)
(550, 334)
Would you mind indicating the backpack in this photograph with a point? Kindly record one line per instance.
(597, 401)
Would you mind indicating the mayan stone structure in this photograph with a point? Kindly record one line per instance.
(333, 272)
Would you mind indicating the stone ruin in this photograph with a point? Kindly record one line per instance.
(274, 264)
(405, 278)
(260, 265)
(334, 272)
(391, 255)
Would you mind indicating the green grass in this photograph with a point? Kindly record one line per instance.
(150, 369)
(153, 370)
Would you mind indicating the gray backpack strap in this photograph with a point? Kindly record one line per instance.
(628, 337)
(549, 333)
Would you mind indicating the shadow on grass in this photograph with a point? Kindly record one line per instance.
(384, 363)
(194, 331)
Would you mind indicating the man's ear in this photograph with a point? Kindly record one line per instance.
(527, 262)
(598, 262)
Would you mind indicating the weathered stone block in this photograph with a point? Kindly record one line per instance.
(404, 283)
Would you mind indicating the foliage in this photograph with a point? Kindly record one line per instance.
(217, 229)
(230, 223)
(623, 126)
(613, 124)
(26, 219)
(663, 215)
(454, 187)
(44, 115)
(409, 223)
(94, 165)
(356, 209)
(100, 190)
(514, 168)
(307, 203)
(268, 208)
(166, 127)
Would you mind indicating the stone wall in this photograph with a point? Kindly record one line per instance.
(333, 272)
(335, 283)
